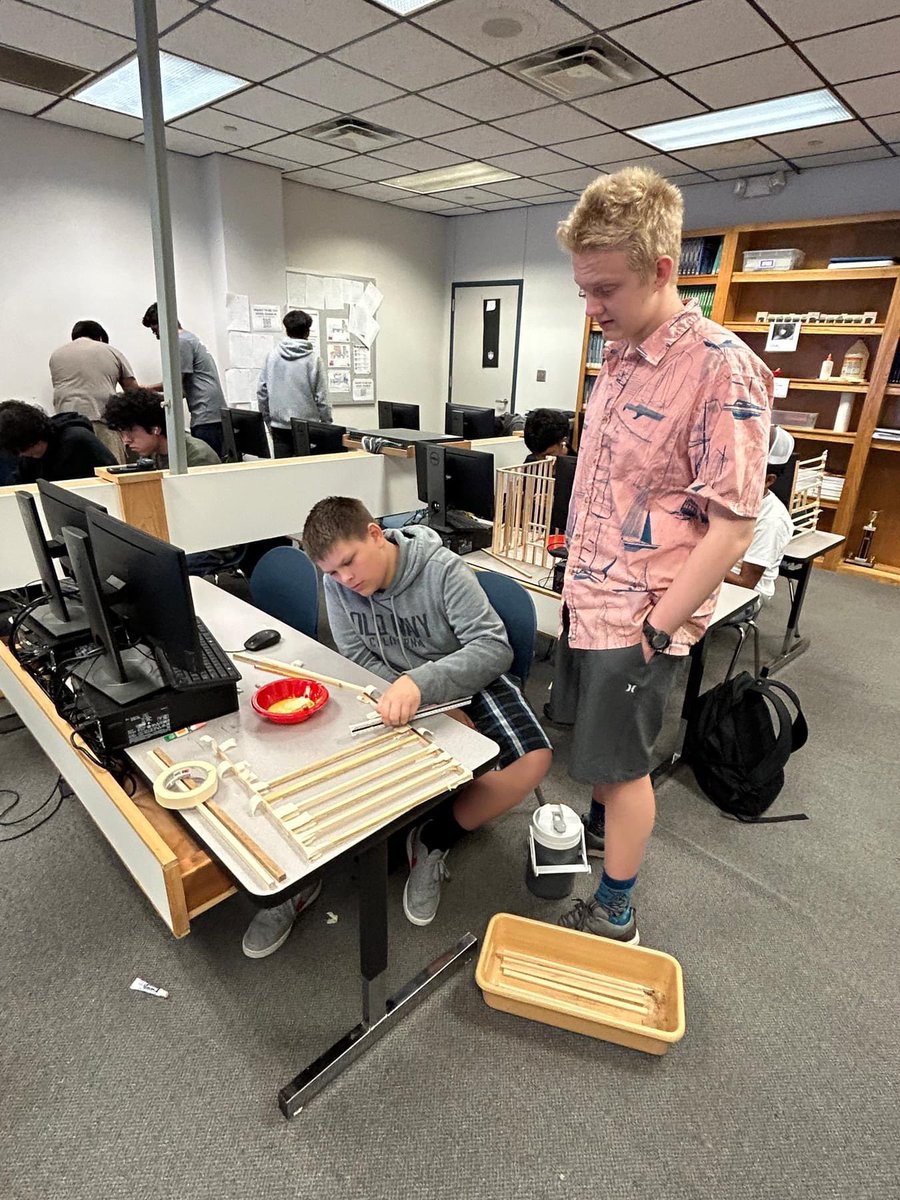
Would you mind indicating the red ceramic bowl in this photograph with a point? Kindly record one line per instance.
(287, 689)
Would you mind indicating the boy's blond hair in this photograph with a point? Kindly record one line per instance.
(635, 210)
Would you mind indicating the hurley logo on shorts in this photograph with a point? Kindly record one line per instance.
(630, 687)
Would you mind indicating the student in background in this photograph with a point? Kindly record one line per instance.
(546, 434)
(139, 417)
(292, 383)
(199, 381)
(773, 529)
(63, 446)
(85, 372)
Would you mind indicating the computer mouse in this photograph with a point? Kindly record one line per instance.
(262, 640)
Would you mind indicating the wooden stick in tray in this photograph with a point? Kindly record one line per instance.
(529, 962)
(348, 752)
(310, 777)
(600, 997)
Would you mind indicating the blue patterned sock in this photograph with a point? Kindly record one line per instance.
(598, 815)
(614, 895)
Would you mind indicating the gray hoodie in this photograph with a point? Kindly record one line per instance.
(432, 623)
(293, 384)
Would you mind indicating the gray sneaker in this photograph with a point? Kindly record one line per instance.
(270, 927)
(427, 871)
(594, 837)
(591, 917)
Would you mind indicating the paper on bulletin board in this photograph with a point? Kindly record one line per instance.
(296, 290)
(237, 312)
(339, 354)
(371, 299)
(336, 329)
(339, 381)
(240, 387)
(354, 289)
(362, 360)
(315, 292)
(334, 292)
(262, 344)
(240, 349)
(364, 391)
(363, 325)
(266, 318)
(315, 331)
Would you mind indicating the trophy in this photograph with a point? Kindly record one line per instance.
(864, 556)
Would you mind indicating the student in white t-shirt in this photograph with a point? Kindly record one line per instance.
(773, 530)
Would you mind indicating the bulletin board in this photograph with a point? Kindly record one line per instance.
(344, 331)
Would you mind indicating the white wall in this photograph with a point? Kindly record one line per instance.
(521, 243)
(75, 243)
(405, 252)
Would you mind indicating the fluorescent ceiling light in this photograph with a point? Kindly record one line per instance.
(405, 7)
(444, 179)
(185, 86)
(748, 121)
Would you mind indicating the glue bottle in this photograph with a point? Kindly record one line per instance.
(855, 362)
(826, 368)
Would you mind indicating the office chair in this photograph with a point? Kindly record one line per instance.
(515, 608)
(284, 584)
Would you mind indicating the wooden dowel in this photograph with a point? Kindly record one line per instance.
(597, 997)
(274, 667)
(562, 1005)
(573, 975)
(320, 776)
(222, 831)
(347, 752)
(590, 985)
(417, 755)
(349, 796)
(533, 961)
(356, 805)
(277, 873)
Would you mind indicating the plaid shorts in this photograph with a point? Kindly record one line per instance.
(500, 712)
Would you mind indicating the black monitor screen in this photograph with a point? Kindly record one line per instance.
(564, 477)
(469, 422)
(326, 439)
(244, 432)
(153, 592)
(470, 481)
(63, 508)
(393, 415)
(300, 437)
(41, 552)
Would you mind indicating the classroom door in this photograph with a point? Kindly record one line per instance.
(484, 342)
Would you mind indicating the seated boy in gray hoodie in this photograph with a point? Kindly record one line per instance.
(292, 383)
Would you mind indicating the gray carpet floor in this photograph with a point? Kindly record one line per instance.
(784, 1086)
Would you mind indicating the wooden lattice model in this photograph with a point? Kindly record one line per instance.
(806, 495)
(522, 512)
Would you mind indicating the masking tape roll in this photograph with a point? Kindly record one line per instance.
(172, 787)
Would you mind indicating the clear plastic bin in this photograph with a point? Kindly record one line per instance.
(773, 260)
(799, 420)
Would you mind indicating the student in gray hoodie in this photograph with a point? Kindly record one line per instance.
(292, 383)
(409, 610)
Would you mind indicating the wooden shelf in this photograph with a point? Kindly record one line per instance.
(892, 389)
(592, 370)
(697, 280)
(819, 435)
(880, 571)
(815, 276)
(884, 444)
(753, 327)
(825, 503)
(826, 385)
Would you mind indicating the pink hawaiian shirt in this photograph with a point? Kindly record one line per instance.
(678, 422)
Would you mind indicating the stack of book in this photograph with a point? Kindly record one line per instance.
(863, 263)
(700, 256)
(702, 293)
(895, 368)
(885, 434)
(832, 486)
(595, 349)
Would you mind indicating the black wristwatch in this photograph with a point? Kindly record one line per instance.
(657, 639)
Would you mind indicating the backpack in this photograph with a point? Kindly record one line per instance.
(737, 754)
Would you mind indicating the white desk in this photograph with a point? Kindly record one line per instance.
(796, 567)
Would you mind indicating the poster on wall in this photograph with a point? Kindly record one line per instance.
(344, 329)
(337, 329)
(339, 382)
(266, 318)
(364, 391)
(339, 354)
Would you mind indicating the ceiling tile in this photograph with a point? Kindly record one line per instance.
(696, 34)
(887, 127)
(616, 12)
(275, 108)
(641, 104)
(114, 15)
(23, 99)
(550, 125)
(498, 204)
(470, 195)
(55, 36)
(216, 40)
(302, 150)
(771, 73)
(866, 154)
(309, 22)
(847, 135)
(462, 212)
(361, 166)
(475, 27)
(478, 141)
(557, 198)
(575, 180)
(872, 97)
(729, 154)
(690, 180)
(321, 177)
(331, 84)
(666, 166)
(414, 116)
(420, 156)
(100, 120)
(871, 50)
(268, 160)
(763, 168)
(489, 95)
(533, 162)
(806, 18)
(522, 188)
(223, 126)
(408, 56)
(608, 147)
(427, 204)
(374, 191)
(183, 142)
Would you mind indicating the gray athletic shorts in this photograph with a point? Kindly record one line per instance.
(616, 702)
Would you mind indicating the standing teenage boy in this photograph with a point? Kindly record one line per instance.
(292, 383)
(670, 479)
(200, 383)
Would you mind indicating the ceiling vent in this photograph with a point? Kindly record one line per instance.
(350, 133)
(583, 69)
(35, 71)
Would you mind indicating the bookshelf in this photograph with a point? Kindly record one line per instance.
(869, 463)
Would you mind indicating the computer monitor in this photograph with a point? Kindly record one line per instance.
(63, 508)
(469, 422)
(243, 432)
(146, 581)
(317, 437)
(61, 614)
(393, 415)
(125, 674)
(564, 477)
(449, 478)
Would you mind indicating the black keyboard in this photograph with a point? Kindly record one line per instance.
(213, 667)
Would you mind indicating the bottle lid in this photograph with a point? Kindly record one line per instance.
(556, 826)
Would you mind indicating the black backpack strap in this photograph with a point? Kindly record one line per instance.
(791, 736)
(764, 820)
(799, 727)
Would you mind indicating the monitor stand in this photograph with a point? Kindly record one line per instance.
(50, 623)
(143, 677)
